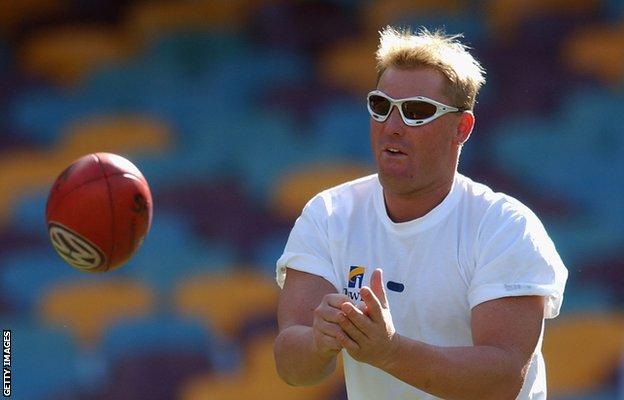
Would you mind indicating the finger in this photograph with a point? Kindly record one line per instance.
(377, 287)
(327, 313)
(328, 328)
(353, 314)
(330, 343)
(335, 299)
(346, 342)
(354, 333)
(372, 303)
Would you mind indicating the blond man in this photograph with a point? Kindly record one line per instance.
(469, 275)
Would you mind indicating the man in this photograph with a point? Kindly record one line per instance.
(468, 274)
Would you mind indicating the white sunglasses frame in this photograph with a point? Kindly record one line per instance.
(441, 108)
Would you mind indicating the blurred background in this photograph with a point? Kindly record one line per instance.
(237, 112)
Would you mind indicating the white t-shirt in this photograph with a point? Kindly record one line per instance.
(475, 246)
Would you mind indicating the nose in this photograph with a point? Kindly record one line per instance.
(394, 123)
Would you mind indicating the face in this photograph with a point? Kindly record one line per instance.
(427, 154)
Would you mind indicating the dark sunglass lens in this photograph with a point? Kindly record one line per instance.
(418, 109)
(379, 104)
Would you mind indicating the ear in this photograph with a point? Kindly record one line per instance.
(464, 128)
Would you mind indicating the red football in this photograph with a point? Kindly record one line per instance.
(98, 212)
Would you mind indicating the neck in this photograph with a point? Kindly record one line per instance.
(406, 207)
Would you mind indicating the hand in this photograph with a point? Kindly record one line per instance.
(325, 326)
(368, 334)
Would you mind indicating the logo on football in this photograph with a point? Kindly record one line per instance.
(75, 249)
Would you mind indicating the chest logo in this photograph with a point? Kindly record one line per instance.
(354, 284)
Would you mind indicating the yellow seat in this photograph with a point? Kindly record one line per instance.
(22, 173)
(210, 386)
(227, 301)
(350, 64)
(505, 16)
(295, 188)
(25, 172)
(115, 133)
(582, 352)
(258, 380)
(67, 54)
(89, 308)
(147, 20)
(597, 51)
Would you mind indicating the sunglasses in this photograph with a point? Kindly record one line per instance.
(414, 111)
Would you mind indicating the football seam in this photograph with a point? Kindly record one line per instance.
(112, 209)
(86, 183)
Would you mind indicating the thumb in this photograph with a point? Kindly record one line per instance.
(377, 287)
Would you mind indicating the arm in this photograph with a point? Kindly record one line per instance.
(505, 333)
(306, 346)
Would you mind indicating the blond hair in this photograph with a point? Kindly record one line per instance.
(404, 49)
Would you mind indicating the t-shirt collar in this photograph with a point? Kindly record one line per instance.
(428, 220)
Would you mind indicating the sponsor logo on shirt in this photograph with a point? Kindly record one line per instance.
(356, 277)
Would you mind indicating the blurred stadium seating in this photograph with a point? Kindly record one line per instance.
(237, 112)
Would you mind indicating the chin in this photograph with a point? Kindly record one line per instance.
(396, 182)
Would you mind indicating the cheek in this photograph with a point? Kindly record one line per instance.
(430, 145)
(375, 131)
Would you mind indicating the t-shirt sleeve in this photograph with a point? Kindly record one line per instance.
(516, 257)
(307, 248)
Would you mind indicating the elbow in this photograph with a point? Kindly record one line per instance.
(282, 370)
(288, 369)
(510, 384)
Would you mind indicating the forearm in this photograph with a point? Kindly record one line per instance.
(472, 372)
(298, 362)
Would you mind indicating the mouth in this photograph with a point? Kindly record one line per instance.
(393, 151)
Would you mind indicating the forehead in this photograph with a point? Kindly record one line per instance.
(401, 83)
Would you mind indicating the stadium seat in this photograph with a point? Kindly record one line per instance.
(143, 335)
(258, 379)
(285, 24)
(65, 55)
(226, 301)
(296, 187)
(26, 273)
(39, 114)
(45, 360)
(582, 351)
(28, 212)
(504, 17)
(267, 249)
(90, 308)
(337, 60)
(262, 376)
(239, 221)
(340, 130)
(172, 252)
(151, 357)
(125, 134)
(148, 20)
(378, 14)
(17, 13)
(274, 148)
(604, 62)
(587, 297)
(191, 55)
(27, 172)
(211, 386)
(22, 172)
